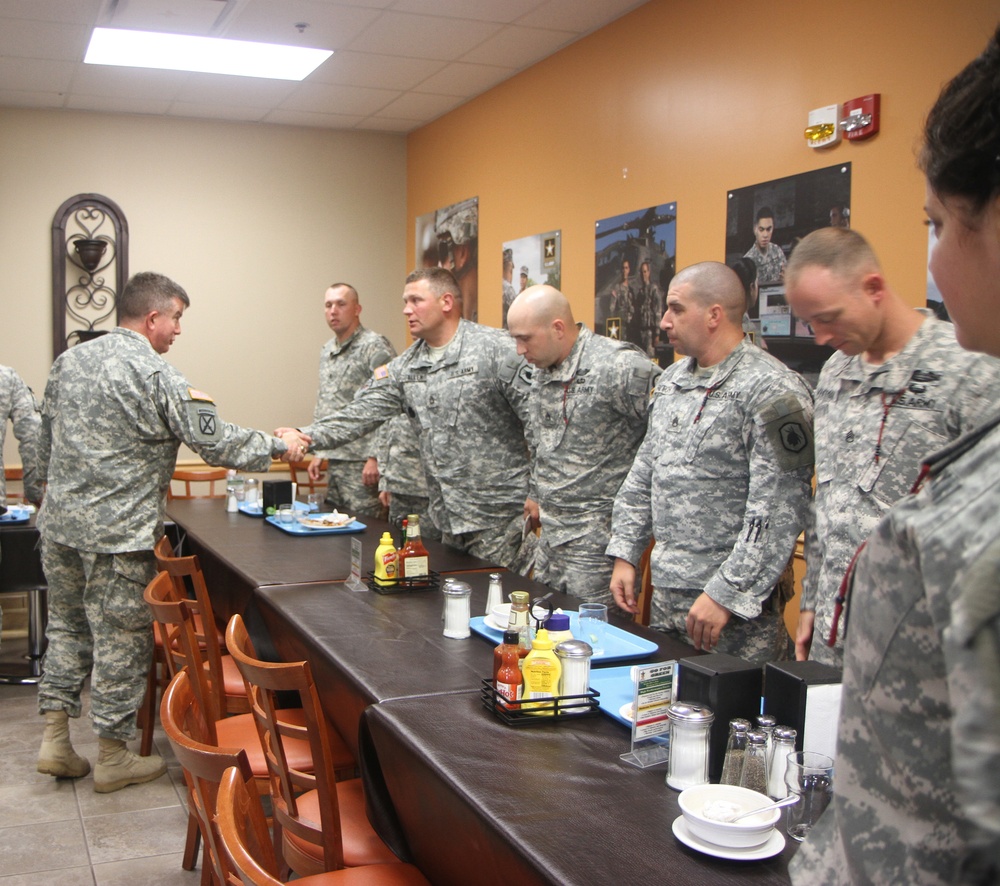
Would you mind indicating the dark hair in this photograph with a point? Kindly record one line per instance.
(346, 286)
(440, 280)
(148, 291)
(961, 151)
(746, 270)
(764, 212)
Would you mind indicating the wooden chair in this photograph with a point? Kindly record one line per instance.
(197, 476)
(645, 598)
(244, 839)
(204, 764)
(324, 826)
(176, 620)
(299, 472)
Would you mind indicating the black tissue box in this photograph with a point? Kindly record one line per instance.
(730, 686)
(806, 696)
(275, 493)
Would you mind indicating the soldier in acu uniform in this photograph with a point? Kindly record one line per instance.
(345, 364)
(721, 481)
(917, 774)
(464, 387)
(899, 388)
(589, 402)
(114, 416)
(17, 404)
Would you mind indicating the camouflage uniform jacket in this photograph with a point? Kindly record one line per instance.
(722, 480)
(943, 392)
(399, 465)
(588, 417)
(17, 403)
(470, 408)
(917, 775)
(770, 264)
(114, 415)
(343, 369)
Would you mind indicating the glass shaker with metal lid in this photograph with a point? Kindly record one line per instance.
(690, 726)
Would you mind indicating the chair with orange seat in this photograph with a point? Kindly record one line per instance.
(299, 472)
(324, 826)
(176, 620)
(244, 839)
(193, 478)
(204, 764)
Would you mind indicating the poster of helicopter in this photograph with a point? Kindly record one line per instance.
(636, 257)
(763, 224)
(530, 260)
(449, 238)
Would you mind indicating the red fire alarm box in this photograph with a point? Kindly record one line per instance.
(861, 117)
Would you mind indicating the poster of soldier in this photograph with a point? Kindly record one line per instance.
(449, 238)
(763, 224)
(530, 260)
(636, 257)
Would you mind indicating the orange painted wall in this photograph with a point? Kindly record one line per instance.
(694, 99)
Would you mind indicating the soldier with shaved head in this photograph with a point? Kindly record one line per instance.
(588, 403)
(721, 481)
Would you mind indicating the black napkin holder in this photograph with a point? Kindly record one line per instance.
(730, 687)
(788, 685)
(275, 493)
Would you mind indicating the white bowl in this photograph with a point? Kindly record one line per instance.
(750, 831)
(500, 614)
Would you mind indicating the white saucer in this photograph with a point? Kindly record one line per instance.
(771, 846)
(625, 711)
(492, 625)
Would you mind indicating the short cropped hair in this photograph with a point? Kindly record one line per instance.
(440, 280)
(843, 251)
(346, 286)
(763, 212)
(146, 292)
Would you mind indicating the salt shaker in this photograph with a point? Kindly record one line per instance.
(574, 656)
(783, 745)
(494, 596)
(690, 725)
(732, 766)
(457, 610)
(766, 724)
(232, 505)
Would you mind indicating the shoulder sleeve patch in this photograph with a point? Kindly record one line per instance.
(203, 421)
(789, 432)
(381, 372)
(509, 368)
(200, 395)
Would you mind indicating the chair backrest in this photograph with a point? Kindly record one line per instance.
(644, 580)
(175, 616)
(243, 833)
(203, 764)
(198, 476)
(264, 680)
(299, 472)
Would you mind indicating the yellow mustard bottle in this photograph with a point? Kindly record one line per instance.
(386, 561)
(541, 677)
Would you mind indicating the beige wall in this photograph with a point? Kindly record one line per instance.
(253, 221)
(694, 99)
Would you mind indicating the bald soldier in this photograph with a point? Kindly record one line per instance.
(588, 403)
(898, 389)
(721, 481)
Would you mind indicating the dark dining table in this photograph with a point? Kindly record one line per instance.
(21, 573)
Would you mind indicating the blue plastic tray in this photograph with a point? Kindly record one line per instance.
(15, 516)
(297, 528)
(619, 645)
(256, 511)
(616, 688)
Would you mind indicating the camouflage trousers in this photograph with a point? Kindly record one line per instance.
(347, 492)
(757, 640)
(99, 625)
(401, 505)
(501, 544)
(579, 567)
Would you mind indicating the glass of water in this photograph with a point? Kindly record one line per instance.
(594, 624)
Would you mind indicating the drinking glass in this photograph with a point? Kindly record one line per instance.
(314, 500)
(810, 777)
(594, 624)
(251, 490)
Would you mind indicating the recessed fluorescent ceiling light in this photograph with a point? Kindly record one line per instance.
(209, 55)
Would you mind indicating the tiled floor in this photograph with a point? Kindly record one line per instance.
(60, 831)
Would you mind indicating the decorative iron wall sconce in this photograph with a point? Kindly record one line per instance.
(89, 268)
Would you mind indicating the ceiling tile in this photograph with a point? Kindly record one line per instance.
(422, 36)
(244, 91)
(519, 47)
(82, 12)
(214, 111)
(35, 75)
(478, 10)
(111, 81)
(330, 26)
(12, 99)
(582, 16)
(419, 106)
(319, 98)
(304, 118)
(117, 104)
(381, 71)
(463, 79)
(26, 39)
(388, 124)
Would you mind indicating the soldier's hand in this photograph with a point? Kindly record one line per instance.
(705, 621)
(295, 442)
(384, 497)
(623, 585)
(531, 514)
(315, 469)
(369, 473)
(804, 634)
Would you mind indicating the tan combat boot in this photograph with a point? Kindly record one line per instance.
(56, 755)
(117, 767)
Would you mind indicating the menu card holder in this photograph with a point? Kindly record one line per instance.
(806, 696)
(653, 691)
(730, 686)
